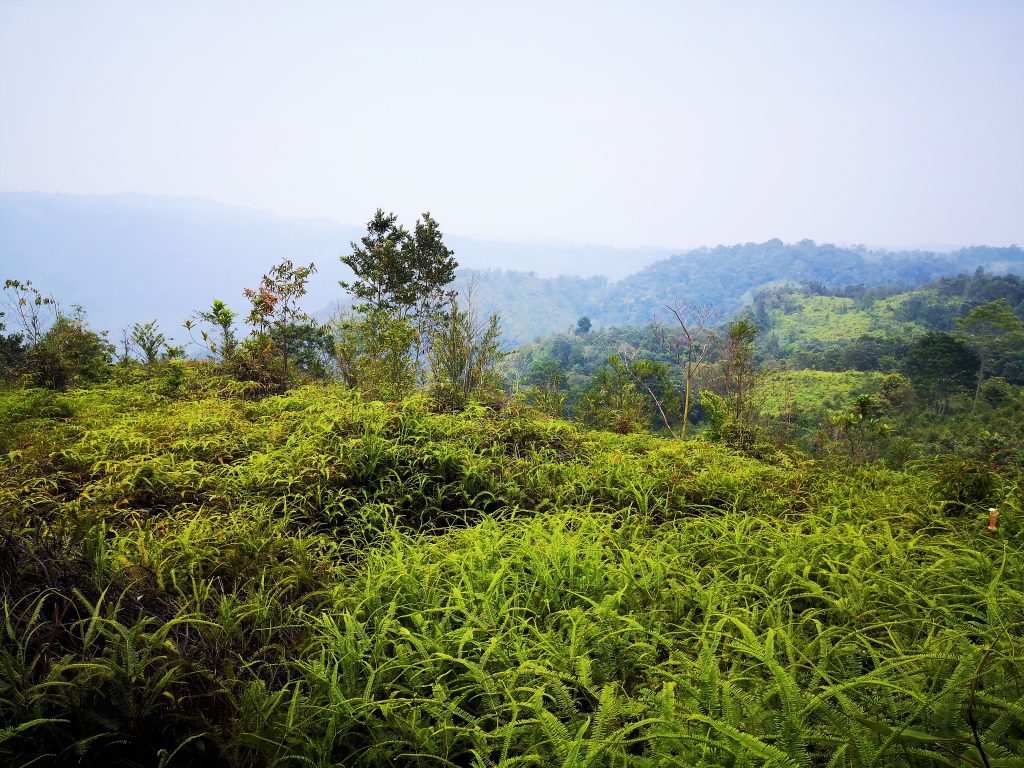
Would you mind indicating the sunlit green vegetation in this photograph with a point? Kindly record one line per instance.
(203, 579)
(814, 394)
(378, 541)
(837, 318)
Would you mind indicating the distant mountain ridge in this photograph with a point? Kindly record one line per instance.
(725, 277)
(129, 258)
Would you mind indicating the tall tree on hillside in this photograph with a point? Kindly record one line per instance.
(402, 280)
(738, 367)
(989, 329)
(688, 343)
(938, 364)
(401, 272)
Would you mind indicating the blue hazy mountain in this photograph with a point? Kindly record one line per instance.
(129, 258)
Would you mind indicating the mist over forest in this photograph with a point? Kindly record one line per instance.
(130, 256)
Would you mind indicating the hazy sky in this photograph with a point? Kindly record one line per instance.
(626, 123)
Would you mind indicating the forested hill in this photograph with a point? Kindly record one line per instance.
(725, 277)
(131, 258)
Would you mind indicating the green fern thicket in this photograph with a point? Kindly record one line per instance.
(313, 579)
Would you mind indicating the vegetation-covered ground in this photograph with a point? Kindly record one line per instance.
(814, 394)
(311, 579)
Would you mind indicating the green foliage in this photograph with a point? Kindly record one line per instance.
(221, 317)
(276, 315)
(611, 400)
(317, 579)
(22, 410)
(997, 391)
(810, 396)
(148, 341)
(53, 348)
(862, 427)
(69, 354)
(939, 365)
(965, 485)
(990, 329)
(374, 349)
(546, 379)
(194, 573)
(400, 272)
(464, 352)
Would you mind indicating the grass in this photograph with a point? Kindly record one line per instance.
(316, 580)
(813, 394)
(811, 318)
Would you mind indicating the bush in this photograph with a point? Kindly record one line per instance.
(963, 485)
(70, 354)
(996, 391)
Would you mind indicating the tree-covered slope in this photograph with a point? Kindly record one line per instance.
(189, 578)
(851, 326)
(727, 278)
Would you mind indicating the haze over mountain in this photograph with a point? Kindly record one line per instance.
(135, 258)
(130, 258)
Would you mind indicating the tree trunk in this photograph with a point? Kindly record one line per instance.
(686, 409)
(977, 388)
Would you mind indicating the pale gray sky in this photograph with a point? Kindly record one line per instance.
(626, 123)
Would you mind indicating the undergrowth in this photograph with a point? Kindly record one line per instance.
(311, 579)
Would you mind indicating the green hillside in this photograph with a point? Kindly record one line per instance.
(813, 394)
(727, 278)
(314, 579)
(806, 318)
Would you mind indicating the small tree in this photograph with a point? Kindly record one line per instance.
(31, 310)
(56, 348)
(989, 330)
(147, 339)
(70, 353)
(654, 379)
(404, 275)
(275, 311)
(374, 352)
(464, 350)
(862, 427)
(939, 364)
(223, 319)
(689, 345)
(583, 326)
(611, 401)
(738, 368)
(547, 393)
